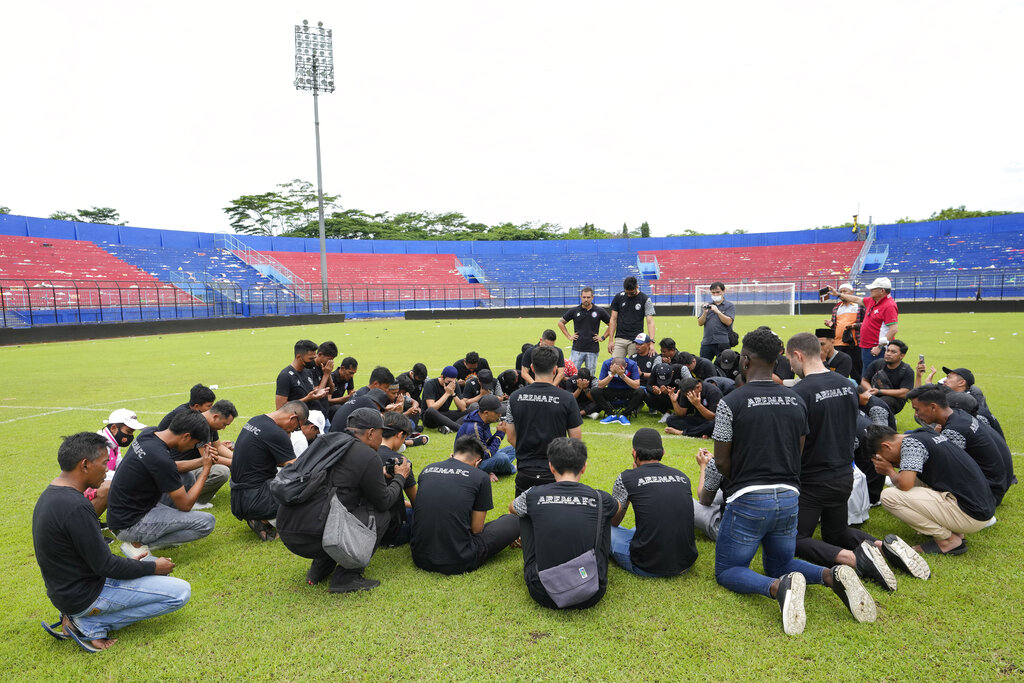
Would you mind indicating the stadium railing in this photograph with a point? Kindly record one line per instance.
(25, 303)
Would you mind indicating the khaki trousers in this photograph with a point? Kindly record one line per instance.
(930, 512)
(623, 348)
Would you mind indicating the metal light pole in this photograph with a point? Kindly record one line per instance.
(314, 71)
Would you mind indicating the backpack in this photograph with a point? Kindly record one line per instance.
(301, 479)
(734, 337)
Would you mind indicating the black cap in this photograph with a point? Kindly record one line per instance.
(486, 378)
(648, 439)
(825, 333)
(963, 372)
(728, 359)
(378, 396)
(365, 418)
(490, 402)
(663, 373)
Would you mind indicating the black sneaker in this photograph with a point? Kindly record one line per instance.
(851, 591)
(320, 569)
(791, 600)
(905, 558)
(871, 565)
(351, 583)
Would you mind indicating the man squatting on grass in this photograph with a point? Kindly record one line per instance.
(94, 591)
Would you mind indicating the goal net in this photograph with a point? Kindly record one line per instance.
(768, 298)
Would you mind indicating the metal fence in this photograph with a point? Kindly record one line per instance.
(25, 303)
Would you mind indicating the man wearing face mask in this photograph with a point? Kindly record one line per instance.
(716, 318)
(296, 383)
(119, 433)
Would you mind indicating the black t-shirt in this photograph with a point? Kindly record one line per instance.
(432, 391)
(900, 377)
(879, 412)
(165, 422)
(260, 449)
(840, 363)
(764, 422)
(832, 411)
(472, 387)
(783, 370)
(465, 372)
(985, 446)
(193, 454)
(631, 314)
(146, 472)
(398, 509)
(341, 387)
(559, 522)
(646, 364)
(358, 400)
(664, 374)
(710, 395)
(704, 369)
(586, 323)
(944, 466)
(321, 404)
(724, 384)
(72, 555)
(662, 504)
(448, 493)
(540, 413)
(294, 384)
(527, 358)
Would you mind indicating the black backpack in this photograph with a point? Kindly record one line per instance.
(301, 479)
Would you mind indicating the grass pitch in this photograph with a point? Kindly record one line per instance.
(252, 616)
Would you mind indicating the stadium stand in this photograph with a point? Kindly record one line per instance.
(955, 252)
(563, 267)
(757, 264)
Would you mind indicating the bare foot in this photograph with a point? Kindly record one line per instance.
(493, 476)
(99, 643)
(673, 430)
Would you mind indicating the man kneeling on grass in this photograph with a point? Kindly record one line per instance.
(449, 535)
(662, 543)
(96, 592)
(560, 521)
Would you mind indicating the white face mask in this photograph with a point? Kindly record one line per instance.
(717, 298)
(401, 449)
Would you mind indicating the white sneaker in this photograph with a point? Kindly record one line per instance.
(989, 523)
(664, 419)
(594, 416)
(202, 506)
(133, 553)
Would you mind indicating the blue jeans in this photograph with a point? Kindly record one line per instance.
(767, 519)
(866, 359)
(163, 527)
(581, 358)
(502, 462)
(125, 601)
(621, 539)
(709, 351)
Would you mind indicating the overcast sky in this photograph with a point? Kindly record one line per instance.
(711, 116)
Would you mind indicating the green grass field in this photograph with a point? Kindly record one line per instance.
(252, 616)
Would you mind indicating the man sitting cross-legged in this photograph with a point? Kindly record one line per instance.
(619, 381)
(95, 592)
(134, 511)
(662, 542)
(449, 535)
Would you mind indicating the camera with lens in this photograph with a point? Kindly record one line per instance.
(707, 307)
(389, 465)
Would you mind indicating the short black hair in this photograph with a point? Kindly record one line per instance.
(348, 362)
(472, 357)
(78, 447)
(543, 360)
(567, 455)
(304, 346)
(381, 375)
(929, 393)
(667, 343)
(717, 284)
(588, 288)
(200, 394)
(192, 423)
(804, 342)
(419, 371)
(687, 384)
(526, 347)
(629, 283)
(406, 384)
(329, 349)
(549, 335)
(394, 423)
(508, 378)
(584, 373)
(225, 408)
(468, 445)
(685, 357)
(875, 435)
(647, 454)
(764, 344)
(297, 408)
(902, 345)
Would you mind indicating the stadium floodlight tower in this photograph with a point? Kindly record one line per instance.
(314, 71)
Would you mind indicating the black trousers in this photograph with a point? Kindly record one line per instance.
(604, 397)
(310, 545)
(527, 480)
(876, 482)
(826, 501)
(449, 418)
(854, 353)
(496, 535)
(691, 425)
(660, 402)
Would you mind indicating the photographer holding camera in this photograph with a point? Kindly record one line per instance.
(397, 428)
(716, 319)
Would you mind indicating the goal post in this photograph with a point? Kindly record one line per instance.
(764, 298)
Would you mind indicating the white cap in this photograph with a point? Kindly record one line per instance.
(123, 416)
(317, 418)
(846, 285)
(881, 283)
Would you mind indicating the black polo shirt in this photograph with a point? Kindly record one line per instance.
(662, 505)
(527, 358)
(632, 311)
(840, 363)
(586, 323)
(540, 413)
(294, 384)
(831, 402)
(900, 377)
(448, 494)
(341, 387)
(261, 447)
(944, 466)
(646, 364)
(764, 422)
(145, 473)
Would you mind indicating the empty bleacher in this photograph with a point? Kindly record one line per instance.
(513, 269)
(955, 252)
(736, 265)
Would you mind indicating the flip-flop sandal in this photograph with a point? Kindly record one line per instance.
(76, 635)
(932, 548)
(54, 629)
(259, 527)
